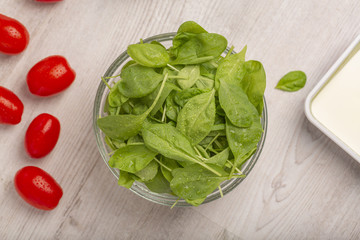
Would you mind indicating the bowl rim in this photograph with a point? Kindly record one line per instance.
(140, 188)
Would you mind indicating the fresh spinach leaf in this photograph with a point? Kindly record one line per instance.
(159, 184)
(172, 109)
(149, 172)
(171, 143)
(170, 165)
(292, 81)
(197, 117)
(188, 76)
(197, 48)
(195, 202)
(243, 140)
(138, 81)
(195, 182)
(236, 104)
(254, 84)
(182, 97)
(149, 55)
(219, 159)
(191, 27)
(125, 126)
(132, 158)
(125, 179)
(231, 69)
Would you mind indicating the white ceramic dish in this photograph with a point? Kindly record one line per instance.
(313, 115)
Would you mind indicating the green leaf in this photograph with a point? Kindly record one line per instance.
(231, 69)
(168, 141)
(182, 97)
(197, 117)
(190, 48)
(191, 27)
(243, 140)
(125, 126)
(121, 126)
(236, 104)
(115, 98)
(169, 163)
(172, 109)
(292, 81)
(149, 55)
(195, 182)
(220, 158)
(149, 172)
(188, 76)
(138, 81)
(205, 83)
(159, 184)
(132, 158)
(195, 202)
(125, 179)
(171, 143)
(254, 84)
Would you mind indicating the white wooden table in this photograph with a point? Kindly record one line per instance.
(303, 186)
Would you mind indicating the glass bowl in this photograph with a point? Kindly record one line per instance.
(138, 187)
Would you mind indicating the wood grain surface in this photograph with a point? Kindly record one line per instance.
(302, 187)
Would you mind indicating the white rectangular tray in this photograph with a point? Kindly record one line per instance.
(318, 88)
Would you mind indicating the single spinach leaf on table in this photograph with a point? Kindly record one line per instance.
(254, 84)
(292, 81)
(171, 143)
(236, 104)
(149, 172)
(149, 55)
(138, 81)
(194, 182)
(132, 158)
(197, 117)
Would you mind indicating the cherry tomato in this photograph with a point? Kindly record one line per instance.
(11, 107)
(42, 135)
(14, 37)
(50, 76)
(37, 188)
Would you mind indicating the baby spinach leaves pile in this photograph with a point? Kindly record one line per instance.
(184, 119)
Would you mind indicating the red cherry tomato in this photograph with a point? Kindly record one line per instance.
(14, 37)
(11, 107)
(50, 76)
(42, 135)
(38, 188)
